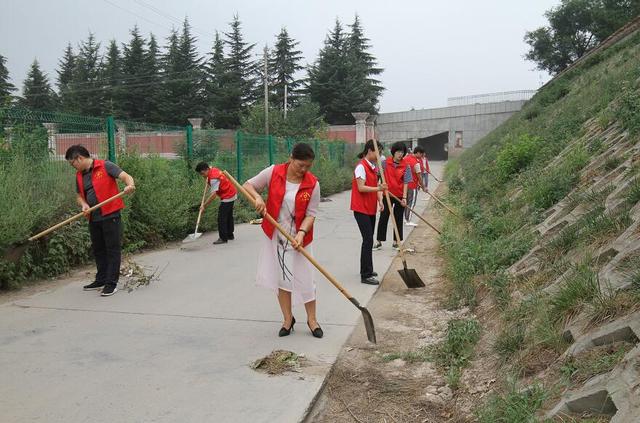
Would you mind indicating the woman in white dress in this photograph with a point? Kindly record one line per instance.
(293, 198)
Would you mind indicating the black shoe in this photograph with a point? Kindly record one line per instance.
(231, 238)
(219, 241)
(93, 285)
(317, 332)
(374, 273)
(109, 290)
(284, 331)
(370, 281)
(377, 246)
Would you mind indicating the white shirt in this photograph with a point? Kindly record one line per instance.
(360, 172)
(215, 186)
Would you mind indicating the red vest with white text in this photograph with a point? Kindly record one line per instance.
(104, 186)
(365, 202)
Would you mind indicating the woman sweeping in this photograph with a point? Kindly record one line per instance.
(293, 199)
(397, 175)
(366, 200)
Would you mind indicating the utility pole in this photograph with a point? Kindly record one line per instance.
(266, 94)
(285, 100)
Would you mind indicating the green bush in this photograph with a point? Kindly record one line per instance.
(517, 155)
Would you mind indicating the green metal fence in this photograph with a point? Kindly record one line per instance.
(48, 135)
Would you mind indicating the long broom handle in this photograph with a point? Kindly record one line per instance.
(434, 176)
(290, 238)
(419, 217)
(76, 217)
(204, 194)
(386, 195)
(442, 204)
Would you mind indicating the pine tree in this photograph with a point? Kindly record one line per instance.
(326, 84)
(36, 92)
(283, 66)
(6, 87)
(171, 71)
(65, 78)
(86, 87)
(342, 79)
(134, 83)
(239, 82)
(111, 76)
(365, 91)
(215, 74)
(184, 78)
(154, 90)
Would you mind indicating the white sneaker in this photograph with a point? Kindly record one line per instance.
(377, 246)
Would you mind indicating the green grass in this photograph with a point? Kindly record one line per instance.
(577, 369)
(454, 353)
(513, 406)
(577, 289)
(507, 183)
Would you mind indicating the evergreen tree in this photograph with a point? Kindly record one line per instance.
(86, 87)
(215, 75)
(364, 91)
(153, 80)
(184, 78)
(6, 87)
(171, 71)
(283, 66)
(65, 78)
(112, 80)
(36, 92)
(134, 83)
(327, 77)
(238, 85)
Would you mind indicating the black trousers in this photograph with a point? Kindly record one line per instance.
(225, 220)
(366, 224)
(105, 242)
(398, 210)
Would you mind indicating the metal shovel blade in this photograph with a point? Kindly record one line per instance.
(368, 321)
(410, 277)
(192, 237)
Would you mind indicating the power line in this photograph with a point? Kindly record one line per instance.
(135, 14)
(171, 18)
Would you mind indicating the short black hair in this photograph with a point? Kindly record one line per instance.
(76, 151)
(397, 146)
(368, 146)
(201, 166)
(418, 150)
(302, 151)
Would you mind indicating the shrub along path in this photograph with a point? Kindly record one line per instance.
(180, 349)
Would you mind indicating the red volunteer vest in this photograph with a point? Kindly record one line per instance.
(412, 161)
(104, 186)
(395, 176)
(226, 188)
(277, 187)
(365, 202)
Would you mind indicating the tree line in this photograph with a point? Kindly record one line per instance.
(142, 81)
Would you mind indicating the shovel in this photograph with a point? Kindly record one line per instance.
(366, 316)
(409, 276)
(195, 235)
(419, 217)
(14, 252)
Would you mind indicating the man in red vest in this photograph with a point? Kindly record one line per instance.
(223, 188)
(95, 183)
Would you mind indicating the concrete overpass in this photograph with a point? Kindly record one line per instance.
(446, 129)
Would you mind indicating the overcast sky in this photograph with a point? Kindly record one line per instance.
(430, 50)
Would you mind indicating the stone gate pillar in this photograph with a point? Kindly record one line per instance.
(361, 126)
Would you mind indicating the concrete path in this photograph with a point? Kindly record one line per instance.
(179, 350)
